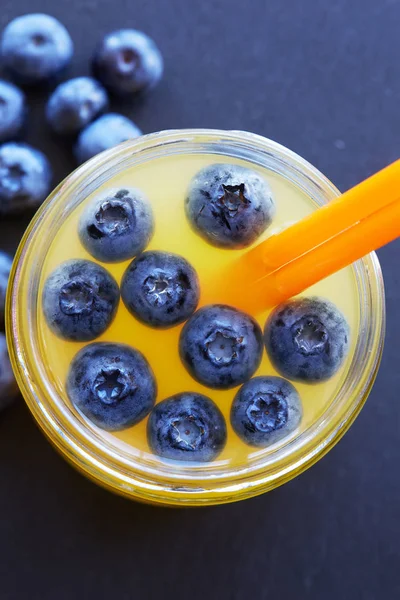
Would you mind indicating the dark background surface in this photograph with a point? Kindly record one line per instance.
(323, 79)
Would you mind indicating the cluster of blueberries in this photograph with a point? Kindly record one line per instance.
(221, 347)
(35, 49)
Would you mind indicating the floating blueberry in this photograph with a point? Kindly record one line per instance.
(5, 268)
(8, 385)
(229, 206)
(220, 346)
(25, 177)
(80, 300)
(161, 289)
(117, 225)
(127, 62)
(12, 111)
(35, 48)
(265, 410)
(307, 339)
(106, 132)
(187, 426)
(112, 384)
(74, 104)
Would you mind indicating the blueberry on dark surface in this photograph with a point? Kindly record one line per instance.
(307, 339)
(117, 225)
(160, 289)
(74, 104)
(187, 426)
(106, 132)
(229, 206)
(112, 385)
(80, 300)
(25, 177)
(220, 346)
(128, 62)
(8, 385)
(5, 268)
(35, 47)
(12, 111)
(265, 410)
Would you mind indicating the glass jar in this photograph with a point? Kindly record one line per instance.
(115, 467)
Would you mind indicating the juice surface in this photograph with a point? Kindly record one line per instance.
(165, 181)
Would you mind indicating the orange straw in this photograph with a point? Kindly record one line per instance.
(361, 220)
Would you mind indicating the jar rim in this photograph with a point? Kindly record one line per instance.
(159, 486)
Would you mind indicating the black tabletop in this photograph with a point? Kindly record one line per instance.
(322, 78)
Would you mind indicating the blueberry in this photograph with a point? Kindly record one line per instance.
(160, 289)
(112, 385)
(25, 177)
(187, 426)
(8, 386)
(5, 268)
(74, 104)
(220, 346)
(80, 300)
(35, 48)
(307, 339)
(12, 111)
(106, 132)
(229, 206)
(127, 62)
(117, 225)
(265, 410)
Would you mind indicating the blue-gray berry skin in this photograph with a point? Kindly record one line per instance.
(187, 427)
(112, 385)
(265, 410)
(117, 225)
(35, 48)
(25, 177)
(229, 206)
(220, 346)
(8, 385)
(128, 62)
(80, 299)
(5, 268)
(105, 132)
(13, 111)
(160, 289)
(74, 104)
(307, 339)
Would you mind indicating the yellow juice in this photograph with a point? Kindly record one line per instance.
(165, 180)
